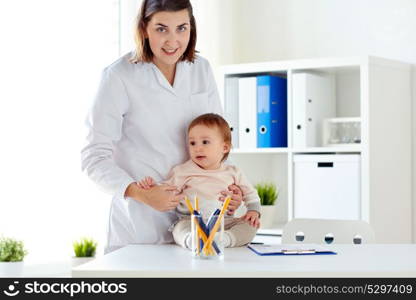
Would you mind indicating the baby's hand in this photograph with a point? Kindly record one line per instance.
(234, 191)
(253, 218)
(146, 183)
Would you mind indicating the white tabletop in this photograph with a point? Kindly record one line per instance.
(172, 261)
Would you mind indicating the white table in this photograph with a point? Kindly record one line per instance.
(172, 261)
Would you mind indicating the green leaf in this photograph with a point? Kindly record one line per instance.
(85, 247)
(268, 193)
(11, 250)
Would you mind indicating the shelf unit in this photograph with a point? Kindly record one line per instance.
(376, 90)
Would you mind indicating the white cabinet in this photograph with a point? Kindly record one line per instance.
(327, 186)
(375, 91)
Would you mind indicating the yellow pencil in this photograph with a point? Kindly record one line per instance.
(217, 224)
(196, 203)
(199, 230)
(198, 233)
(189, 205)
(204, 239)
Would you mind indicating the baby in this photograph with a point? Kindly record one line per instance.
(205, 176)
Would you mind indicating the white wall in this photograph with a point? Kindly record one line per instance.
(51, 59)
(291, 29)
(266, 30)
(128, 13)
(215, 27)
(414, 154)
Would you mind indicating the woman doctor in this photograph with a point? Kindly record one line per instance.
(137, 124)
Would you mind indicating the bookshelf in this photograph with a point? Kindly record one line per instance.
(373, 90)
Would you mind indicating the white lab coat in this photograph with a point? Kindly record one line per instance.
(137, 127)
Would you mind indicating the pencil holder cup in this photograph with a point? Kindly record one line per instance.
(207, 236)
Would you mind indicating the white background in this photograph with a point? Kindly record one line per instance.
(51, 56)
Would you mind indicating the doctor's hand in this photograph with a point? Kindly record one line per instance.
(236, 195)
(160, 197)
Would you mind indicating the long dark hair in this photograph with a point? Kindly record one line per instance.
(147, 10)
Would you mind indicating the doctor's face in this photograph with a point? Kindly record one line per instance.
(207, 147)
(168, 34)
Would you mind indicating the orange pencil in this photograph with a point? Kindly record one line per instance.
(200, 232)
(214, 230)
(196, 203)
(204, 239)
(189, 205)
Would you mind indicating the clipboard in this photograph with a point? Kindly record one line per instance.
(307, 249)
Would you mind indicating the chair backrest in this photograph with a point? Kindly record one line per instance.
(324, 231)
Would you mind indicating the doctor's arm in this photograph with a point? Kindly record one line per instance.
(163, 196)
(104, 124)
(160, 197)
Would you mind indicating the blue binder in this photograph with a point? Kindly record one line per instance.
(271, 111)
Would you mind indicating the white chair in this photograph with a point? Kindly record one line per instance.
(323, 231)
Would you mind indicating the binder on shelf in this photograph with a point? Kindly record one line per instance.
(310, 249)
(271, 111)
(247, 113)
(231, 108)
(313, 100)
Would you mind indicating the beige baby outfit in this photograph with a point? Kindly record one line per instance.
(207, 185)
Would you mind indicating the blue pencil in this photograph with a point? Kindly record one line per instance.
(206, 230)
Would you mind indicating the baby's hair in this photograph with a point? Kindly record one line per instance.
(213, 120)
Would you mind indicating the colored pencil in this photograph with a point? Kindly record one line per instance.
(216, 225)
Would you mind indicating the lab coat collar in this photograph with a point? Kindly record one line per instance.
(165, 83)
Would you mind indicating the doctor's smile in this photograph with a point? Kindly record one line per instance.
(169, 52)
(168, 36)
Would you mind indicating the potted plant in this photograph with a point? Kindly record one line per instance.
(12, 253)
(268, 194)
(84, 250)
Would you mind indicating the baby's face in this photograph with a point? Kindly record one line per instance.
(206, 146)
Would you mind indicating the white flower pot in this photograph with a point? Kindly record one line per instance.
(76, 261)
(268, 217)
(11, 269)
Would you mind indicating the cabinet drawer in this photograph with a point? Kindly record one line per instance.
(327, 186)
